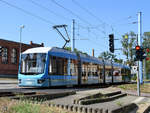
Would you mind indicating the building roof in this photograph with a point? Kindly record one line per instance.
(31, 43)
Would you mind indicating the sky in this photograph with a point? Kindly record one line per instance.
(94, 21)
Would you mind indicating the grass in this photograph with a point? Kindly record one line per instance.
(145, 88)
(26, 106)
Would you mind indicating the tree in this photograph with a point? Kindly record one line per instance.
(75, 50)
(120, 61)
(107, 56)
(146, 34)
(124, 43)
(146, 40)
(146, 44)
(128, 43)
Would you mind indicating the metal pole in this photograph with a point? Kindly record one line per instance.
(103, 71)
(140, 44)
(112, 70)
(20, 39)
(138, 82)
(73, 35)
(144, 73)
(139, 72)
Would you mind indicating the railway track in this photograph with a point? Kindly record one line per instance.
(34, 96)
(48, 93)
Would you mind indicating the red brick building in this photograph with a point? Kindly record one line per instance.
(9, 57)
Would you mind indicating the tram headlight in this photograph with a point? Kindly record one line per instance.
(40, 81)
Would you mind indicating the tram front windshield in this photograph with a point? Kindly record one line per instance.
(33, 63)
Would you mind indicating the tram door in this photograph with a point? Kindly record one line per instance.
(68, 77)
(58, 72)
(71, 78)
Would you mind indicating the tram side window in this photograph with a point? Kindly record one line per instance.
(73, 67)
(52, 65)
(84, 69)
(57, 66)
(95, 70)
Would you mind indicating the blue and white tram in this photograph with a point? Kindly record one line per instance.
(45, 67)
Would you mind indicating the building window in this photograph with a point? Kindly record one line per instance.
(14, 56)
(5, 55)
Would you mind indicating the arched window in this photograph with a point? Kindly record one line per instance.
(14, 56)
(5, 55)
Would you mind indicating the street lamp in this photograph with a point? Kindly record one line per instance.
(21, 27)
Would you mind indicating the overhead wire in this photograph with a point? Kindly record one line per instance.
(71, 12)
(124, 24)
(103, 24)
(83, 20)
(90, 13)
(41, 18)
(91, 41)
(32, 14)
(88, 28)
(97, 18)
(47, 9)
(27, 12)
(123, 19)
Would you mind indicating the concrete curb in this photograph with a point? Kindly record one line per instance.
(125, 109)
(99, 100)
(79, 109)
(147, 110)
(40, 97)
(76, 101)
(109, 97)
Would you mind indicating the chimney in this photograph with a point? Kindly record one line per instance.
(93, 52)
(31, 43)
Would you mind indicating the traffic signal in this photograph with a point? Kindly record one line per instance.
(140, 53)
(147, 50)
(137, 53)
(147, 58)
(143, 55)
(111, 43)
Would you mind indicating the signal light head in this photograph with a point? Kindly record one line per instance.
(111, 43)
(147, 50)
(137, 47)
(147, 58)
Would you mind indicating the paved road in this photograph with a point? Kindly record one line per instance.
(105, 105)
(8, 83)
(11, 85)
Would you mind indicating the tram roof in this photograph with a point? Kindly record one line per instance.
(37, 50)
(67, 54)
